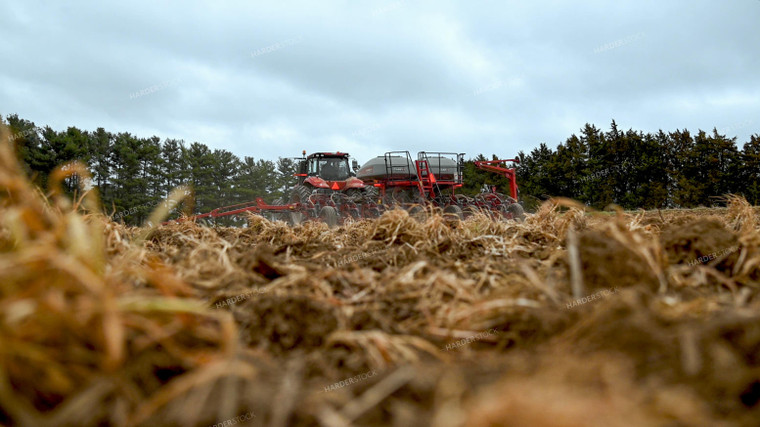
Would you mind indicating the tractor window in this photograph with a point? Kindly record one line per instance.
(334, 169)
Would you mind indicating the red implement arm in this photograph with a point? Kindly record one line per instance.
(257, 206)
(497, 166)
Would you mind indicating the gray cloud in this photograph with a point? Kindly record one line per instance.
(485, 77)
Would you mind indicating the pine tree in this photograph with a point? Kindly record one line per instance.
(201, 163)
(286, 167)
(131, 199)
(101, 163)
(749, 172)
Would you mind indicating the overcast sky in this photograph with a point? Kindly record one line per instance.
(269, 79)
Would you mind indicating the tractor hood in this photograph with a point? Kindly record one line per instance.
(318, 182)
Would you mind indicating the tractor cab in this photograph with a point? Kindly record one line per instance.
(328, 166)
(328, 170)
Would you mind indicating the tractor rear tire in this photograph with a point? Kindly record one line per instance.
(299, 194)
(278, 216)
(418, 213)
(329, 215)
(471, 210)
(294, 218)
(356, 195)
(373, 213)
(453, 213)
(372, 194)
(399, 195)
(517, 211)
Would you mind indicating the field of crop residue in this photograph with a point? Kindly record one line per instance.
(565, 319)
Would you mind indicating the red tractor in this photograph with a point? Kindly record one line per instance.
(328, 189)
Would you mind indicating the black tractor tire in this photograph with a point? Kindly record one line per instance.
(355, 194)
(517, 211)
(471, 210)
(462, 199)
(372, 213)
(294, 218)
(278, 216)
(371, 193)
(329, 215)
(418, 212)
(453, 213)
(400, 195)
(299, 194)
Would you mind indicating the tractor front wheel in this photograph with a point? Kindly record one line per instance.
(355, 195)
(453, 213)
(278, 216)
(372, 193)
(329, 215)
(418, 212)
(517, 211)
(299, 194)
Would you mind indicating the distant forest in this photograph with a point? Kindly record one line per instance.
(630, 169)
(637, 170)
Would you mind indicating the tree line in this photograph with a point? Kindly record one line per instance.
(633, 169)
(630, 169)
(133, 175)
(643, 170)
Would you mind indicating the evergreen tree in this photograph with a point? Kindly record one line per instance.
(286, 167)
(201, 166)
(101, 163)
(749, 173)
(130, 180)
(226, 169)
